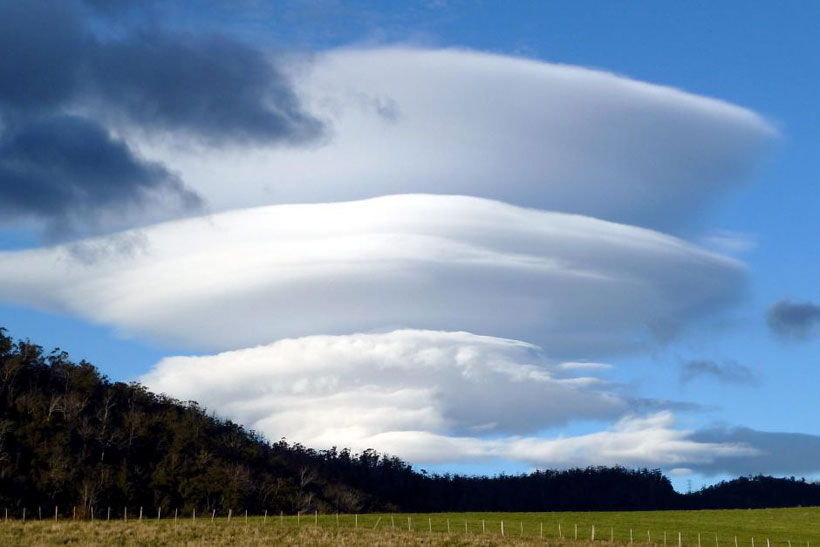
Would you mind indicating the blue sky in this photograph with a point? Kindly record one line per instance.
(755, 55)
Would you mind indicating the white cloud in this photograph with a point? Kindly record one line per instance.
(429, 397)
(555, 137)
(578, 286)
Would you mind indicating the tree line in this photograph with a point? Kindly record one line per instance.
(69, 437)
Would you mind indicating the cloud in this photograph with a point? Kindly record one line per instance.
(555, 137)
(578, 286)
(430, 397)
(775, 452)
(793, 320)
(729, 372)
(210, 86)
(65, 88)
(67, 169)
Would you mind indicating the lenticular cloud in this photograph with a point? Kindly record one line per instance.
(575, 285)
(431, 397)
(556, 137)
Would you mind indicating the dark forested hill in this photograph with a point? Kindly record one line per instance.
(70, 437)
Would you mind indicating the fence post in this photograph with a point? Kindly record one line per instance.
(140, 513)
(357, 520)
(392, 523)
(592, 534)
(230, 513)
(213, 514)
(175, 515)
(680, 543)
(159, 513)
(502, 528)
(24, 514)
(265, 518)
(560, 534)
(409, 525)
(55, 515)
(108, 514)
(429, 524)
(317, 518)
(125, 514)
(448, 526)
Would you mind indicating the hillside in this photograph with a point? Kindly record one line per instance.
(69, 436)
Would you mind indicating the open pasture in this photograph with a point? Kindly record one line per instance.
(797, 527)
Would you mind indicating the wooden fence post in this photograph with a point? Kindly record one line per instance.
(502, 528)
(108, 514)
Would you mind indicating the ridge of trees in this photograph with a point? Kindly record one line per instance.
(71, 437)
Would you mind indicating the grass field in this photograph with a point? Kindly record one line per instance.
(762, 528)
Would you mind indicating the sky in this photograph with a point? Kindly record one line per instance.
(481, 236)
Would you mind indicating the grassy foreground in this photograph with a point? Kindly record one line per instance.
(797, 527)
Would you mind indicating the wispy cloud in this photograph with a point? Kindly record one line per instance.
(729, 372)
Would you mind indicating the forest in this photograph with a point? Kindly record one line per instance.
(70, 437)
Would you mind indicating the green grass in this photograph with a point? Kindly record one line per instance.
(800, 526)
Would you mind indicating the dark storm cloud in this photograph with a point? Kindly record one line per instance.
(777, 453)
(210, 86)
(729, 372)
(42, 48)
(62, 166)
(794, 320)
(54, 166)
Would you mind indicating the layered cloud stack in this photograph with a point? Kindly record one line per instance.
(439, 272)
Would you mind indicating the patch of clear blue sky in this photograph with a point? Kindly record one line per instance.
(758, 54)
